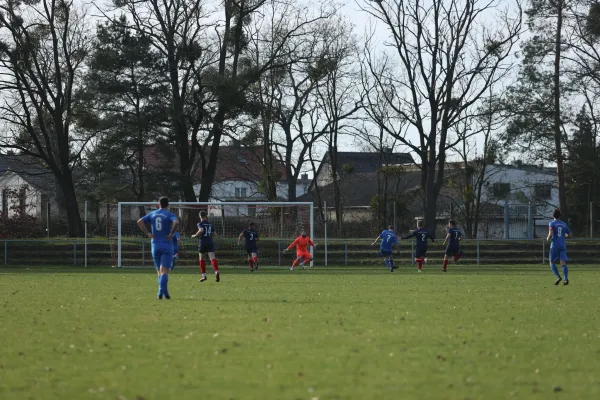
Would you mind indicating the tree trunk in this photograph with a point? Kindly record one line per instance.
(560, 166)
(208, 174)
(430, 192)
(65, 182)
(270, 185)
(292, 180)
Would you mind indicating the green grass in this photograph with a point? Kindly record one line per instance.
(339, 333)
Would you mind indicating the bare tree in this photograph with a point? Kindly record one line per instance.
(338, 97)
(471, 174)
(42, 50)
(442, 57)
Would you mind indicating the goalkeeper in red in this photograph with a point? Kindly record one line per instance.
(302, 254)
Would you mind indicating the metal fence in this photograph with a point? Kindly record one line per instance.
(331, 253)
(513, 233)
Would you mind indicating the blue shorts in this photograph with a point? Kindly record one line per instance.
(385, 253)
(206, 248)
(420, 252)
(163, 257)
(452, 251)
(558, 255)
(251, 250)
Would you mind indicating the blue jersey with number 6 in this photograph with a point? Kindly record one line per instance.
(388, 239)
(559, 230)
(161, 222)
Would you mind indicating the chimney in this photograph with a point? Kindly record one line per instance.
(517, 163)
(387, 150)
(541, 166)
(304, 177)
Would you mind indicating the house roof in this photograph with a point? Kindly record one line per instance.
(367, 162)
(29, 169)
(357, 189)
(235, 162)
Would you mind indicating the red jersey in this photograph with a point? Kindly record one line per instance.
(301, 244)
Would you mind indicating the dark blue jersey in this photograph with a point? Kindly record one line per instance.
(175, 240)
(421, 235)
(454, 236)
(250, 236)
(207, 232)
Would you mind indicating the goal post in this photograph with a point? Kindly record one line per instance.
(278, 223)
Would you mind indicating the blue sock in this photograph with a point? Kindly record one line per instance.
(163, 284)
(160, 285)
(387, 263)
(566, 272)
(555, 270)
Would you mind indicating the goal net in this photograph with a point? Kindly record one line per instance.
(278, 224)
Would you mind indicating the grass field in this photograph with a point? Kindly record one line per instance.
(338, 333)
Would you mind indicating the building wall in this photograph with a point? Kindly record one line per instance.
(33, 198)
(522, 188)
(248, 191)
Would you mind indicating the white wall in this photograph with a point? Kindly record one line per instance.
(522, 186)
(33, 197)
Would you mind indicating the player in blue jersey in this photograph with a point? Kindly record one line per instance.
(176, 244)
(163, 226)
(388, 240)
(250, 236)
(206, 245)
(558, 232)
(453, 239)
(421, 235)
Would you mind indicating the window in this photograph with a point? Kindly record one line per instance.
(240, 192)
(500, 190)
(252, 211)
(542, 191)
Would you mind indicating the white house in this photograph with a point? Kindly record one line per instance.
(26, 188)
(520, 185)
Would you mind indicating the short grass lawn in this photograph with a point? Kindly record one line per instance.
(476, 332)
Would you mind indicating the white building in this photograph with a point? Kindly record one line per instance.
(25, 188)
(519, 186)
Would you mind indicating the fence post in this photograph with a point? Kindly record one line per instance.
(530, 224)
(506, 220)
(478, 260)
(5, 252)
(48, 220)
(85, 229)
(346, 254)
(75, 252)
(395, 223)
(412, 252)
(591, 220)
(543, 251)
(325, 229)
(143, 253)
(279, 246)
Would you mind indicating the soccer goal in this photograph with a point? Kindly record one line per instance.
(278, 224)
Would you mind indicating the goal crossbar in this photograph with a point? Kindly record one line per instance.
(120, 205)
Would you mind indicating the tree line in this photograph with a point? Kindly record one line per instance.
(87, 90)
